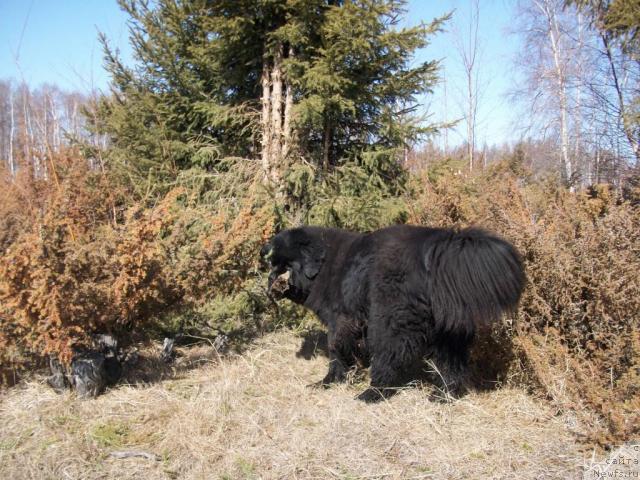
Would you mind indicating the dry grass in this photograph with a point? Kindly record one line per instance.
(252, 417)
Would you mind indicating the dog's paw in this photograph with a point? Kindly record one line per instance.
(321, 385)
(372, 395)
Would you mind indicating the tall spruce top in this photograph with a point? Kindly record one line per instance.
(331, 82)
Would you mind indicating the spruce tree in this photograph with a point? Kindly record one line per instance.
(329, 81)
(359, 89)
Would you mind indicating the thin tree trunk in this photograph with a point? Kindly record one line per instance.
(554, 36)
(26, 141)
(473, 45)
(288, 109)
(326, 147)
(45, 126)
(484, 155)
(266, 120)
(469, 55)
(276, 113)
(12, 165)
(446, 113)
(470, 121)
(582, 163)
(277, 108)
(633, 142)
(55, 128)
(562, 94)
(564, 134)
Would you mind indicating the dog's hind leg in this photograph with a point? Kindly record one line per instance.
(451, 358)
(391, 357)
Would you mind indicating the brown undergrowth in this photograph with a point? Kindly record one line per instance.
(84, 258)
(80, 255)
(577, 333)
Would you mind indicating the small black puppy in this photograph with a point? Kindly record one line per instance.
(397, 294)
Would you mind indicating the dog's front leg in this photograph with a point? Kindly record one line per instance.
(344, 338)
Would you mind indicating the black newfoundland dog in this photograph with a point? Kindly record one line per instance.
(396, 295)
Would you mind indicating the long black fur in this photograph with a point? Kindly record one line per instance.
(397, 294)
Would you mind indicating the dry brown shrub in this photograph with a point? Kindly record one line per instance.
(87, 259)
(227, 246)
(62, 275)
(577, 334)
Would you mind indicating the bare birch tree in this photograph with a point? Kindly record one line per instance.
(35, 124)
(12, 129)
(468, 49)
(578, 88)
(548, 64)
(549, 10)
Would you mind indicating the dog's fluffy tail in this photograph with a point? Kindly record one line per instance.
(474, 277)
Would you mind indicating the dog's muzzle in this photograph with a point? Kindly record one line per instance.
(278, 285)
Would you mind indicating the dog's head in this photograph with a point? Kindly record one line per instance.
(295, 258)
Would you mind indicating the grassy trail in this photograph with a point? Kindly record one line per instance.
(251, 416)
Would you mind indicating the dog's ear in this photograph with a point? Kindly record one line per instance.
(313, 254)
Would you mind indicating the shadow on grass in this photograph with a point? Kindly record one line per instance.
(150, 368)
(491, 357)
(314, 343)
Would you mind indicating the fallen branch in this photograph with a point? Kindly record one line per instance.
(134, 453)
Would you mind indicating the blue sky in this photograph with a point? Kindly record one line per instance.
(55, 41)
(497, 49)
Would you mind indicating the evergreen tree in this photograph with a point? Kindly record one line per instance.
(329, 81)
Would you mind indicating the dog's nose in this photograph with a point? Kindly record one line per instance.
(265, 251)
